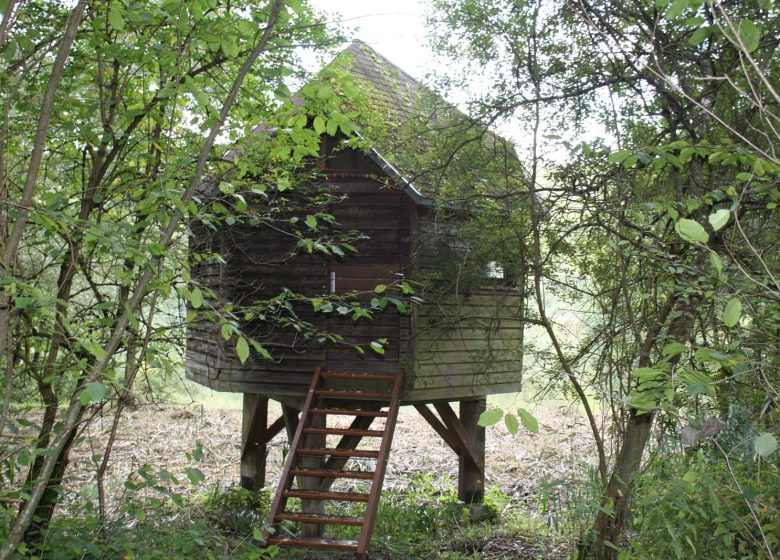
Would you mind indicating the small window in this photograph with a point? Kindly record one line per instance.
(495, 271)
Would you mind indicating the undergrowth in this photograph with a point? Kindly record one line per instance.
(424, 521)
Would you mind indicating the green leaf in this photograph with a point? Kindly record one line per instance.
(700, 35)
(676, 9)
(716, 263)
(226, 330)
(528, 420)
(380, 288)
(311, 221)
(749, 35)
(732, 312)
(116, 20)
(319, 124)
(196, 298)
(620, 156)
(377, 347)
(156, 249)
(646, 374)
(490, 417)
(242, 349)
(23, 302)
(94, 391)
(719, 218)
(765, 444)
(691, 231)
(511, 423)
(673, 348)
(195, 475)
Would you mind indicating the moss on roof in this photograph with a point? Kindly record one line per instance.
(445, 154)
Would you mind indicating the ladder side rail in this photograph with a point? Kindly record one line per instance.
(285, 480)
(369, 516)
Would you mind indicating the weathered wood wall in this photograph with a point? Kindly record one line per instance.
(468, 338)
(262, 261)
(456, 345)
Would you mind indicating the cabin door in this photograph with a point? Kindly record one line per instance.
(363, 279)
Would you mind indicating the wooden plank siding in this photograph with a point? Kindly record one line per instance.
(458, 346)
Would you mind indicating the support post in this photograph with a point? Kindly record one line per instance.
(313, 441)
(471, 479)
(254, 449)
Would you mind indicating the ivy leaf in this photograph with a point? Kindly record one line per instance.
(490, 417)
(765, 444)
(719, 219)
(749, 35)
(116, 20)
(196, 298)
(242, 349)
(511, 423)
(691, 231)
(732, 312)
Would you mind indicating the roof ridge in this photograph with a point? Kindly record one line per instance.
(360, 44)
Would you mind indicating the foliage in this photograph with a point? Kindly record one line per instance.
(664, 244)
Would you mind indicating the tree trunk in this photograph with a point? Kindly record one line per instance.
(610, 523)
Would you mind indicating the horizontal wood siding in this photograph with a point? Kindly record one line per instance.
(260, 262)
(466, 344)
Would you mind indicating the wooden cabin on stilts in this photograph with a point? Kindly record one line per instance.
(437, 335)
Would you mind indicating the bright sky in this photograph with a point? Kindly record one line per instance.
(395, 28)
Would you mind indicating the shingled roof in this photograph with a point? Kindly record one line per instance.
(430, 146)
(431, 149)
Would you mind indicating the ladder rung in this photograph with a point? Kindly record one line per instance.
(336, 496)
(325, 451)
(315, 518)
(364, 376)
(348, 412)
(325, 473)
(344, 432)
(330, 393)
(312, 542)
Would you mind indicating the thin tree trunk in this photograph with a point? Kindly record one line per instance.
(33, 170)
(5, 25)
(73, 415)
(610, 523)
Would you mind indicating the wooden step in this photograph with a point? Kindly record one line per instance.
(326, 451)
(325, 473)
(349, 412)
(334, 394)
(363, 376)
(313, 542)
(317, 518)
(344, 432)
(335, 496)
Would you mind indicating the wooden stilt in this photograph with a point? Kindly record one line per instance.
(316, 507)
(253, 452)
(471, 478)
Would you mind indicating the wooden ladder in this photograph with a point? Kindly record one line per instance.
(316, 468)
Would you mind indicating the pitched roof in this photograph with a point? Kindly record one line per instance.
(432, 146)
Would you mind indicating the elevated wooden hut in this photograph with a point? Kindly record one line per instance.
(459, 340)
